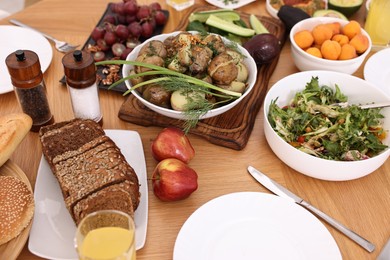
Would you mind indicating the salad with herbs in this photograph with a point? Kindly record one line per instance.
(314, 123)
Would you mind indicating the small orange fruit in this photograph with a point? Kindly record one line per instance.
(351, 29)
(335, 27)
(304, 39)
(321, 33)
(347, 52)
(330, 50)
(314, 51)
(360, 42)
(340, 38)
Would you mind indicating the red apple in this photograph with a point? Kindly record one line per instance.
(172, 142)
(173, 180)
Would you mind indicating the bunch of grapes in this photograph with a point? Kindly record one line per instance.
(125, 27)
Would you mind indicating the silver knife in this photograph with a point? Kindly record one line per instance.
(385, 253)
(285, 193)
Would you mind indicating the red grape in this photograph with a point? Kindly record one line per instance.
(119, 8)
(98, 33)
(135, 29)
(99, 56)
(101, 43)
(117, 49)
(147, 30)
(152, 22)
(110, 19)
(155, 6)
(160, 18)
(143, 12)
(130, 18)
(125, 53)
(110, 38)
(130, 8)
(121, 31)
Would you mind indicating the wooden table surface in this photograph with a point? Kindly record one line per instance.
(362, 205)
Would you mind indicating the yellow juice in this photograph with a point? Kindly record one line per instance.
(108, 243)
(378, 20)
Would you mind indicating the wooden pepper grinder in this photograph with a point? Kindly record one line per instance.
(80, 72)
(27, 78)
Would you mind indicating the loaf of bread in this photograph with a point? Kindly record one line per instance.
(13, 128)
(91, 170)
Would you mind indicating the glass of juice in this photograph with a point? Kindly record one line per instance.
(377, 23)
(180, 4)
(106, 235)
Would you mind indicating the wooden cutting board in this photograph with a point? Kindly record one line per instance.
(230, 129)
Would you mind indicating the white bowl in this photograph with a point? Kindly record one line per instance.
(305, 61)
(249, 62)
(358, 91)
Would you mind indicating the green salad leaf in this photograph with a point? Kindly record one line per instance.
(315, 124)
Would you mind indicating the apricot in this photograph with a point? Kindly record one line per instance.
(321, 33)
(314, 51)
(347, 52)
(335, 27)
(330, 50)
(360, 42)
(304, 39)
(351, 29)
(340, 38)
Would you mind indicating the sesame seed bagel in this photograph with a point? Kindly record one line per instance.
(16, 207)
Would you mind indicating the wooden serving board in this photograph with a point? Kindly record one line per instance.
(230, 129)
(12, 248)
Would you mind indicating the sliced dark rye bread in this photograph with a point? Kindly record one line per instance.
(112, 197)
(88, 172)
(67, 136)
(86, 162)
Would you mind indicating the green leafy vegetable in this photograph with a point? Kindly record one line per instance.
(314, 124)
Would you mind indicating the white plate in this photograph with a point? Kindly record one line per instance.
(253, 225)
(53, 229)
(16, 38)
(230, 5)
(377, 70)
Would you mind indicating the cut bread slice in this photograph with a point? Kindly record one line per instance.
(92, 172)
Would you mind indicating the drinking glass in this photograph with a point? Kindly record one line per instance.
(106, 235)
(180, 4)
(377, 22)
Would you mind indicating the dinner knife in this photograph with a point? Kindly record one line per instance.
(281, 191)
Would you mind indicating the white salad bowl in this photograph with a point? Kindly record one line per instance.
(248, 60)
(358, 91)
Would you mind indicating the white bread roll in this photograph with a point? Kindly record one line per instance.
(13, 128)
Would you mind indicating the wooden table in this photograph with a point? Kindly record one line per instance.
(363, 204)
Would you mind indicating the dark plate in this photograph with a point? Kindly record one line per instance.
(122, 87)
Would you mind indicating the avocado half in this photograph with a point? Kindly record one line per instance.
(329, 13)
(346, 7)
